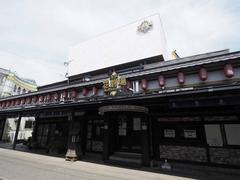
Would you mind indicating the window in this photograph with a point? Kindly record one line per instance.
(135, 86)
(179, 133)
(96, 128)
(232, 134)
(19, 90)
(136, 124)
(122, 125)
(213, 135)
(28, 124)
(95, 135)
(190, 133)
(86, 78)
(97, 131)
(169, 133)
(42, 134)
(15, 88)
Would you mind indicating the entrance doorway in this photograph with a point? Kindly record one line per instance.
(129, 133)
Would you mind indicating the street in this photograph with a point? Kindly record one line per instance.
(16, 165)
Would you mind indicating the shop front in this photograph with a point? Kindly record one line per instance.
(126, 131)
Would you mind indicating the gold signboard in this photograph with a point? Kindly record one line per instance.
(113, 84)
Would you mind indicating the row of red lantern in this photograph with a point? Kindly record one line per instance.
(47, 97)
(203, 75)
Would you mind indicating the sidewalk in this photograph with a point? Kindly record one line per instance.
(16, 165)
(90, 168)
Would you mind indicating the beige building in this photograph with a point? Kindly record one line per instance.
(11, 84)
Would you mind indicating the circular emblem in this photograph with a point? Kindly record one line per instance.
(145, 26)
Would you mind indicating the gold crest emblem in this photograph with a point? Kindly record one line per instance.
(113, 84)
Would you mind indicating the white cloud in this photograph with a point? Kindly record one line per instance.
(42, 71)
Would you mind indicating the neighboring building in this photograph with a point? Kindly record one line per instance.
(11, 84)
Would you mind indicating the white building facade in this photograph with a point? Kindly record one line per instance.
(10, 85)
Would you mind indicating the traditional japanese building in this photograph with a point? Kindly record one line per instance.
(184, 110)
(142, 110)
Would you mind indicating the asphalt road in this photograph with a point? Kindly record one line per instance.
(16, 165)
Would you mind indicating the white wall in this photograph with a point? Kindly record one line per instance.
(10, 129)
(119, 46)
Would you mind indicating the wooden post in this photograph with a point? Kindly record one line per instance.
(106, 138)
(155, 139)
(35, 128)
(145, 142)
(17, 130)
(3, 127)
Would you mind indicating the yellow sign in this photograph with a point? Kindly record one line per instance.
(114, 83)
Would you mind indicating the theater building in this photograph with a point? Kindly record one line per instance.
(148, 110)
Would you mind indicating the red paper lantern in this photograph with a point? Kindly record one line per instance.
(74, 93)
(144, 84)
(161, 81)
(228, 70)
(55, 96)
(84, 91)
(129, 84)
(13, 103)
(64, 94)
(17, 102)
(94, 91)
(29, 100)
(203, 74)
(23, 100)
(48, 98)
(181, 78)
(40, 99)
(34, 99)
(7, 104)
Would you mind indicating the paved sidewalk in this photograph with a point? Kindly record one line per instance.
(16, 165)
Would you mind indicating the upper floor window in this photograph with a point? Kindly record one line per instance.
(136, 86)
(19, 90)
(15, 88)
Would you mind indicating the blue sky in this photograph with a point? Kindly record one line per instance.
(35, 35)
